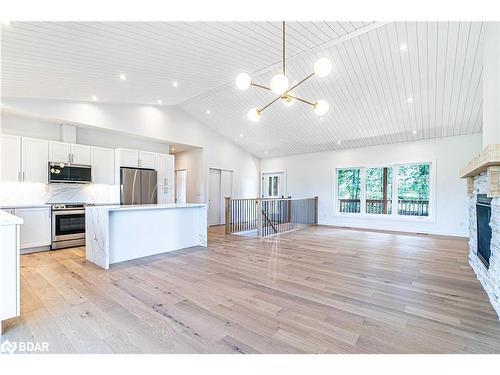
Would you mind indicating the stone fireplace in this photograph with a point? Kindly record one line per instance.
(483, 182)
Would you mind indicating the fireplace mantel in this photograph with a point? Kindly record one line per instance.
(487, 161)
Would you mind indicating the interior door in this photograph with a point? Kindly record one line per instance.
(214, 197)
(180, 185)
(273, 185)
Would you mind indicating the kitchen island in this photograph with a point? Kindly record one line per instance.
(115, 233)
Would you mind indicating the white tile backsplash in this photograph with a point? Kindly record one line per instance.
(15, 193)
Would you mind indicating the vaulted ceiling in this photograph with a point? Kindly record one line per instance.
(391, 82)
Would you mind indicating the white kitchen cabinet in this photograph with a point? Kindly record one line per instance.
(127, 158)
(103, 164)
(170, 171)
(35, 159)
(161, 169)
(69, 153)
(36, 230)
(80, 154)
(9, 271)
(165, 167)
(10, 157)
(59, 152)
(147, 159)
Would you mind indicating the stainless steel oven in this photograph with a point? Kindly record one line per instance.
(68, 225)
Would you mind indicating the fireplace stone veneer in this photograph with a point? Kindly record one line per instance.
(489, 277)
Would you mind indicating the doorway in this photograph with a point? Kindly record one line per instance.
(180, 185)
(220, 185)
(273, 185)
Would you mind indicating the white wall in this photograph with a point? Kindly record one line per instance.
(491, 84)
(312, 175)
(18, 124)
(162, 123)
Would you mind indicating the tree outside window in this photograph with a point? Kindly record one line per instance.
(349, 190)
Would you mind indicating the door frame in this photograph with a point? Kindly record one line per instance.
(221, 213)
(285, 187)
(175, 180)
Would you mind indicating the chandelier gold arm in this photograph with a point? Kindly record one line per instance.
(301, 100)
(267, 105)
(300, 82)
(260, 86)
(283, 49)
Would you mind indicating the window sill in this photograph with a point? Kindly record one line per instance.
(417, 219)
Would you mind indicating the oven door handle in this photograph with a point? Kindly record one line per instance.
(72, 212)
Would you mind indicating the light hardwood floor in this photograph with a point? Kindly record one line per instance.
(317, 290)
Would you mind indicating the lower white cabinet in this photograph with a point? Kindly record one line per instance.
(36, 230)
(9, 272)
(103, 165)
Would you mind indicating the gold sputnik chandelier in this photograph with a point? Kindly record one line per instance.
(280, 85)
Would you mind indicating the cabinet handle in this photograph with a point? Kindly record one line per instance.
(19, 176)
(23, 176)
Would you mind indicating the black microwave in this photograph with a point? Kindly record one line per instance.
(62, 172)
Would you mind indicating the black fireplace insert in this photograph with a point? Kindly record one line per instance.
(483, 213)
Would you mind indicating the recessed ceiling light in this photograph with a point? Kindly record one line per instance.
(265, 152)
(94, 98)
(339, 142)
(172, 149)
(6, 23)
(208, 112)
(175, 84)
(403, 47)
(242, 135)
(413, 132)
(123, 77)
(160, 102)
(410, 100)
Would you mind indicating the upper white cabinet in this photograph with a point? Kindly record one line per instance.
(10, 158)
(69, 153)
(35, 159)
(36, 229)
(59, 151)
(147, 159)
(103, 164)
(80, 154)
(127, 158)
(135, 159)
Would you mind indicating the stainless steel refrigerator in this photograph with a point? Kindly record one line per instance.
(138, 186)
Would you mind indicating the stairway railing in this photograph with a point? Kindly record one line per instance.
(269, 216)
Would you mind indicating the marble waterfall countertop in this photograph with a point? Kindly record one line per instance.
(117, 207)
(8, 219)
(115, 233)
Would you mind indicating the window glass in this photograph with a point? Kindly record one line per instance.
(349, 190)
(378, 190)
(413, 190)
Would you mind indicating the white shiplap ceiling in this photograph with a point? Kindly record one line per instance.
(377, 92)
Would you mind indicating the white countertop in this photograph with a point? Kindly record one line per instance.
(8, 219)
(24, 205)
(146, 206)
